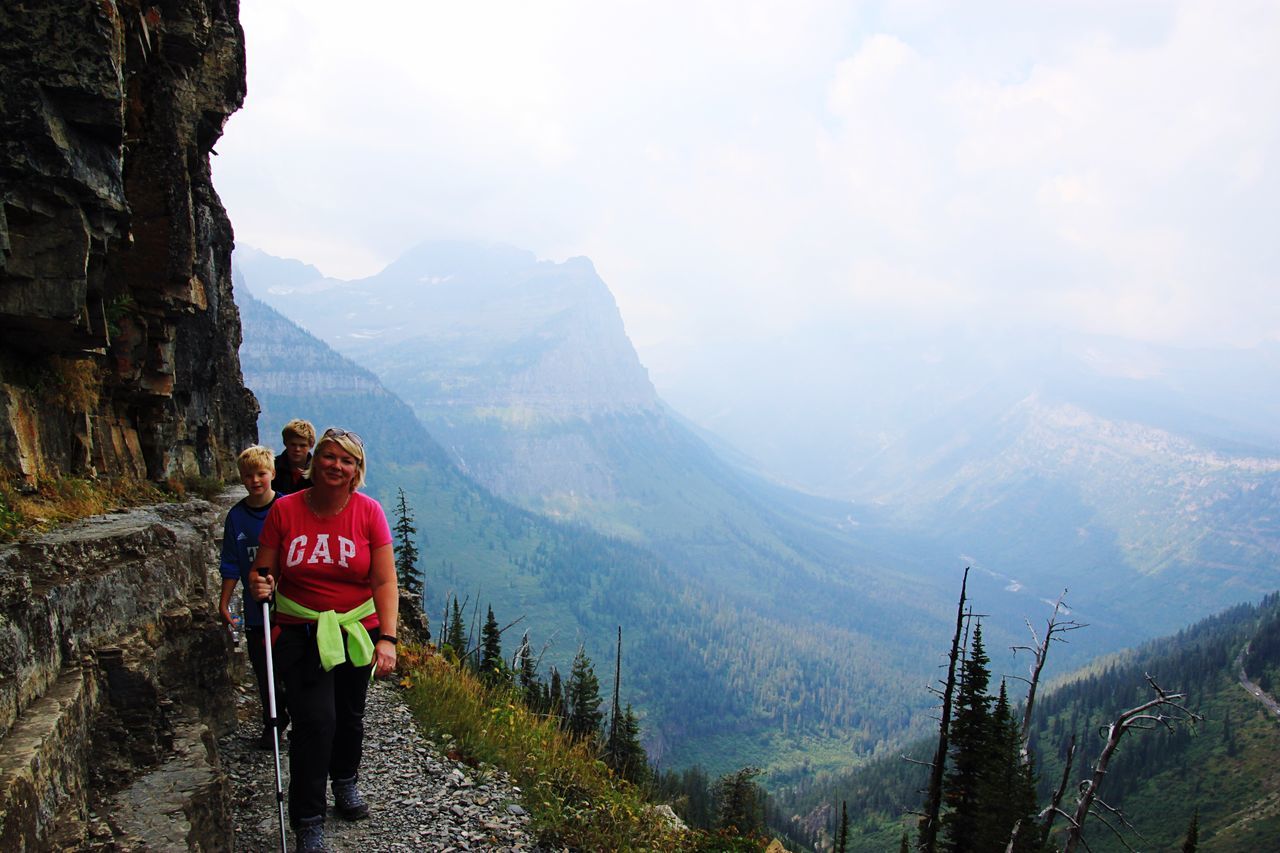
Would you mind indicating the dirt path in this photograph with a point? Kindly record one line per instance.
(419, 800)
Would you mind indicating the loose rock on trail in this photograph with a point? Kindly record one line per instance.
(419, 800)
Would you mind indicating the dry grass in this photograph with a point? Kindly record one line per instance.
(202, 487)
(575, 800)
(78, 382)
(68, 499)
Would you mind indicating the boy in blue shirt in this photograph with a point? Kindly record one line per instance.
(239, 547)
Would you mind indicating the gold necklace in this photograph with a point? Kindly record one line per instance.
(312, 505)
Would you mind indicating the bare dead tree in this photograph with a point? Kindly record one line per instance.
(929, 821)
(1165, 710)
(1039, 649)
(444, 621)
(473, 636)
(616, 710)
(1104, 813)
(1052, 810)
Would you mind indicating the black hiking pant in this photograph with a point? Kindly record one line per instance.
(327, 712)
(258, 659)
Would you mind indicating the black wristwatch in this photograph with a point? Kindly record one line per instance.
(390, 638)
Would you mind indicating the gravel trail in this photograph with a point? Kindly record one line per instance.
(419, 799)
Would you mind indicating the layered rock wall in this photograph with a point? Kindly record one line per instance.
(118, 333)
(116, 678)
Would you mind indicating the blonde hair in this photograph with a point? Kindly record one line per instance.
(299, 429)
(349, 442)
(255, 457)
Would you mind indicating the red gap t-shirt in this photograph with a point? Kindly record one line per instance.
(324, 562)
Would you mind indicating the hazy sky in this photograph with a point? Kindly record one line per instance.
(759, 168)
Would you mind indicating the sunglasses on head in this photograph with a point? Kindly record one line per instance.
(336, 432)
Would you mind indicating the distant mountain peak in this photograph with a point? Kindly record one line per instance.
(447, 257)
(462, 327)
(284, 274)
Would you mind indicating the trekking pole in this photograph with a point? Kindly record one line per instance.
(275, 720)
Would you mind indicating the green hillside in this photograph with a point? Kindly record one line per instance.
(1227, 768)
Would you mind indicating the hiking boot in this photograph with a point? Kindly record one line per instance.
(309, 836)
(347, 799)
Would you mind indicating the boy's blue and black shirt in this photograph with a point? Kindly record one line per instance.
(239, 547)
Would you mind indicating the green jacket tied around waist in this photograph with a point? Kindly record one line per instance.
(329, 627)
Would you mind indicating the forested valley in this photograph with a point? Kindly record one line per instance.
(1218, 771)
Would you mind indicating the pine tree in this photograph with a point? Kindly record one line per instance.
(964, 824)
(624, 753)
(699, 798)
(842, 834)
(930, 821)
(739, 803)
(492, 667)
(555, 695)
(905, 846)
(530, 688)
(1193, 834)
(583, 699)
(1010, 788)
(989, 789)
(407, 549)
(455, 636)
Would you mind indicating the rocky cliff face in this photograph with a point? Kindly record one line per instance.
(118, 333)
(115, 680)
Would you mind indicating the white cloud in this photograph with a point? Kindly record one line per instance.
(743, 168)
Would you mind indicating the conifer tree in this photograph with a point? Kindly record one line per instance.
(930, 821)
(527, 667)
(455, 636)
(701, 798)
(582, 699)
(555, 695)
(407, 549)
(964, 825)
(1009, 788)
(624, 753)
(905, 846)
(1193, 834)
(842, 834)
(492, 667)
(739, 804)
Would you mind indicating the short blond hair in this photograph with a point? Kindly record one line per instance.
(349, 442)
(256, 457)
(299, 429)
